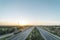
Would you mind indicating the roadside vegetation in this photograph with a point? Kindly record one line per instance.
(6, 30)
(34, 35)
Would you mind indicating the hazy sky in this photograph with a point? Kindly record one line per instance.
(33, 11)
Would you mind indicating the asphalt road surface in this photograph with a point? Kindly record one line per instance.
(21, 36)
(46, 35)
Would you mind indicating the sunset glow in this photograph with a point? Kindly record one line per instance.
(29, 12)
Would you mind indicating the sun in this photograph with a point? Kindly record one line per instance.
(23, 22)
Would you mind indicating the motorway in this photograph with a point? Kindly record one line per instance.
(21, 36)
(46, 35)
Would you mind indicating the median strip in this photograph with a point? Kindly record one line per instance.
(35, 35)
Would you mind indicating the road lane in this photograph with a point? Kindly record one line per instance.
(46, 35)
(23, 35)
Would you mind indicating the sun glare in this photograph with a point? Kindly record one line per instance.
(23, 22)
